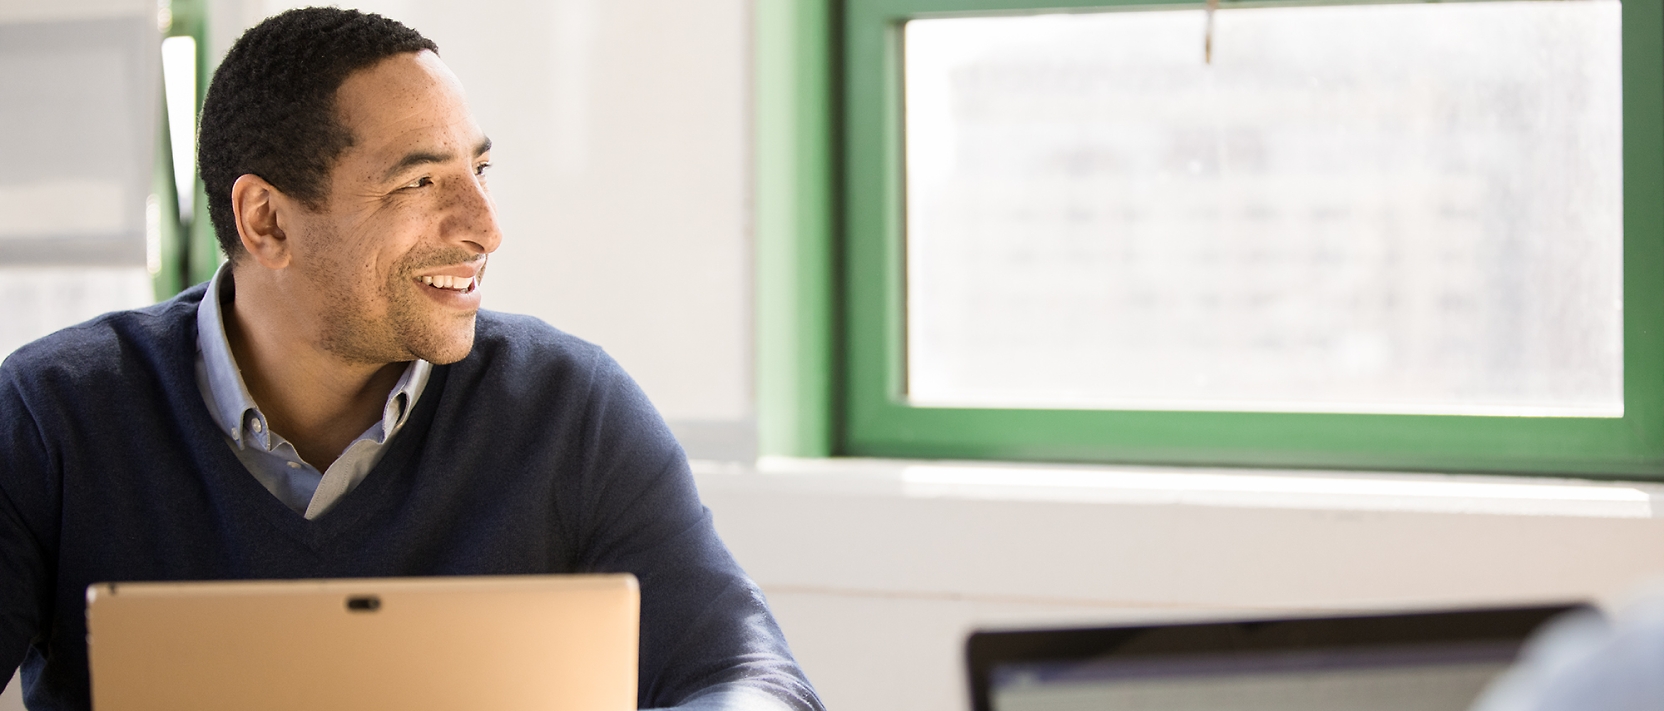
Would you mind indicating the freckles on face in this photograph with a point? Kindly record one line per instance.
(344, 249)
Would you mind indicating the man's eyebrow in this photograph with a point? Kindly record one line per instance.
(416, 158)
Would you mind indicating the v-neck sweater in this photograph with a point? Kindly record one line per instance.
(534, 454)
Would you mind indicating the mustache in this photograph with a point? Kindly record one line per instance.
(444, 258)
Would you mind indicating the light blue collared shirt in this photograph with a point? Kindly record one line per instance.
(270, 458)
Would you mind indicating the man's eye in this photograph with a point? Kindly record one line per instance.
(421, 182)
(480, 169)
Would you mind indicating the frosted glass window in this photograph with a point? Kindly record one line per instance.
(1405, 208)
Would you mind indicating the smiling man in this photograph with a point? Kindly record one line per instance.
(334, 403)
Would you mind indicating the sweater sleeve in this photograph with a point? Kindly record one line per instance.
(708, 640)
(25, 590)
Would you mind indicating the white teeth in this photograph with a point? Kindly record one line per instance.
(453, 283)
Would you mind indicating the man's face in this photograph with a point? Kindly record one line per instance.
(391, 261)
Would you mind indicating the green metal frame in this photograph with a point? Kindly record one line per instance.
(858, 246)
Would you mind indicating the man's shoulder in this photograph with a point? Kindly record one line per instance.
(516, 337)
(109, 345)
(524, 355)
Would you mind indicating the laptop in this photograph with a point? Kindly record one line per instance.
(1430, 661)
(551, 643)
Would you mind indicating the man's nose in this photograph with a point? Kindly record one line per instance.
(473, 218)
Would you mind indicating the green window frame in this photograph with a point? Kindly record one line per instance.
(831, 292)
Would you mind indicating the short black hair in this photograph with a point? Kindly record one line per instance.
(270, 109)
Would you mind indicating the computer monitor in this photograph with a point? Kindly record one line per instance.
(1427, 661)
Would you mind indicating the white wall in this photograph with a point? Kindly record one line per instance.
(56, 10)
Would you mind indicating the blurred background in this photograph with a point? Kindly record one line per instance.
(624, 137)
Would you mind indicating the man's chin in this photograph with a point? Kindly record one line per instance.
(446, 348)
(449, 356)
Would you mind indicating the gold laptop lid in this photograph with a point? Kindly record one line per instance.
(550, 643)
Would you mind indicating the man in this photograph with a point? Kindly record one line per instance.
(333, 403)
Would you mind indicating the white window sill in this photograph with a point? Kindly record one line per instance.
(1178, 486)
(1077, 538)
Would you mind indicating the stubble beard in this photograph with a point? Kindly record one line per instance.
(412, 327)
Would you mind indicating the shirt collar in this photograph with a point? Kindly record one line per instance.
(235, 410)
(403, 398)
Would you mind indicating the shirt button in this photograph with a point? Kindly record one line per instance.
(257, 426)
(294, 465)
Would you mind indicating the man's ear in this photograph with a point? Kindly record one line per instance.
(256, 206)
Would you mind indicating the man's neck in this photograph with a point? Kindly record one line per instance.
(318, 401)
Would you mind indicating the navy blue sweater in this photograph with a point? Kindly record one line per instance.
(535, 454)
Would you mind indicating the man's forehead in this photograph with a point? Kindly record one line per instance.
(407, 102)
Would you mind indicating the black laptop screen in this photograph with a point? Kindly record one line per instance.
(1438, 662)
(1432, 678)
